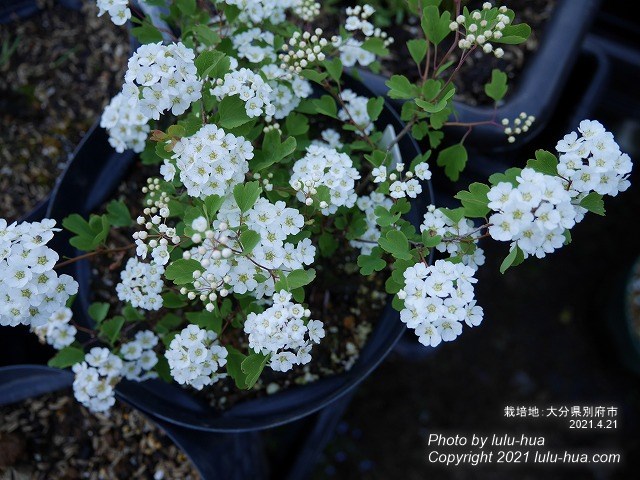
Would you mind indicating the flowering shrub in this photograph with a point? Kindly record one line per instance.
(268, 163)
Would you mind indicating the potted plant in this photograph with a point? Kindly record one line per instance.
(237, 278)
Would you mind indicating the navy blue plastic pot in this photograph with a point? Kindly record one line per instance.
(539, 86)
(90, 180)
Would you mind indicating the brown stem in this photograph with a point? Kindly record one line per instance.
(94, 253)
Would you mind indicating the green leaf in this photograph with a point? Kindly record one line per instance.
(297, 124)
(374, 107)
(514, 34)
(98, 311)
(252, 367)
(401, 87)
(328, 244)
(300, 278)
(384, 217)
(497, 87)
(89, 235)
(436, 105)
(207, 320)
(435, 25)
(131, 314)
(545, 162)
(249, 239)
(181, 270)
(66, 357)
(375, 45)
(455, 215)
(147, 33)
(372, 262)
(111, 328)
(475, 201)
(326, 105)
(206, 35)
(594, 203)
(173, 300)
(187, 7)
(510, 176)
(234, 367)
(232, 112)
(417, 49)
(162, 369)
(334, 67)
(396, 243)
(430, 241)
(453, 159)
(246, 195)
(211, 206)
(515, 258)
(118, 213)
(313, 75)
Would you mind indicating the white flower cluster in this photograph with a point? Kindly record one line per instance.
(437, 299)
(479, 29)
(304, 49)
(195, 356)
(437, 223)
(251, 89)
(211, 162)
(403, 186)
(118, 10)
(368, 204)
(156, 234)
(351, 50)
(328, 168)
(141, 284)
(96, 378)
(161, 77)
(255, 45)
(139, 356)
(306, 10)
(521, 124)
(126, 125)
(259, 11)
(355, 111)
(224, 271)
(535, 213)
(57, 332)
(286, 90)
(31, 292)
(280, 331)
(606, 170)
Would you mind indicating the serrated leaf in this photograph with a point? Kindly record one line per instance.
(376, 46)
(246, 195)
(181, 270)
(497, 87)
(475, 201)
(430, 241)
(372, 262)
(396, 243)
(118, 214)
(326, 105)
(66, 357)
(147, 33)
(594, 203)
(514, 34)
(234, 366)
(509, 176)
(401, 87)
(313, 75)
(417, 49)
(545, 162)
(453, 159)
(434, 24)
(334, 68)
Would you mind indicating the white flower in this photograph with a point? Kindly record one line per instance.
(141, 284)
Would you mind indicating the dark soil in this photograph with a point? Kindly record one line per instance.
(476, 71)
(348, 305)
(54, 437)
(64, 68)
